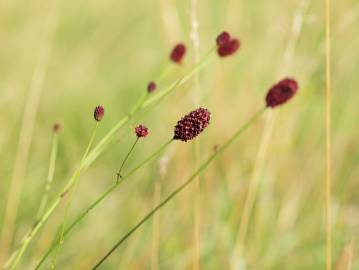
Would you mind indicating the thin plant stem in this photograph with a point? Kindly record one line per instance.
(105, 141)
(151, 99)
(101, 198)
(156, 228)
(156, 225)
(158, 96)
(328, 166)
(145, 101)
(196, 193)
(25, 137)
(164, 72)
(269, 124)
(138, 104)
(50, 176)
(183, 186)
(45, 216)
(44, 199)
(71, 198)
(125, 159)
(33, 232)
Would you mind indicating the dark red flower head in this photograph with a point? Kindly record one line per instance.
(151, 87)
(99, 113)
(226, 44)
(141, 131)
(281, 92)
(228, 48)
(191, 125)
(223, 38)
(56, 128)
(178, 53)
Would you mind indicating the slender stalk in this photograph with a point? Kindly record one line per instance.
(181, 187)
(105, 141)
(46, 215)
(44, 199)
(69, 203)
(33, 232)
(165, 71)
(100, 199)
(138, 104)
(25, 137)
(156, 227)
(328, 173)
(125, 159)
(50, 176)
(266, 136)
(196, 192)
(150, 99)
(158, 96)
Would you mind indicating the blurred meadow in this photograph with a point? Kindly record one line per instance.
(259, 205)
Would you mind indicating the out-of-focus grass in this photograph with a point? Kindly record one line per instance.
(105, 52)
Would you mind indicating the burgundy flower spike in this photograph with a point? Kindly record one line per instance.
(99, 113)
(281, 92)
(226, 45)
(191, 125)
(178, 53)
(141, 131)
(151, 87)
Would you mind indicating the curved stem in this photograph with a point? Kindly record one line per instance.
(100, 199)
(104, 142)
(69, 203)
(181, 187)
(50, 177)
(125, 159)
(44, 199)
(158, 96)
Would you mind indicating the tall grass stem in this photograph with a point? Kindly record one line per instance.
(270, 121)
(71, 197)
(101, 198)
(44, 199)
(105, 141)
(328, 151)
(25, 137)
(181, 187)
(195, 38)
(50, 176)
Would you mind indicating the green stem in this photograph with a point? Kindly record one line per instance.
(44, 199)
(50, 177)
(33, 232)
(158, 96)
(181, 187)
(100, 199)
(45, 216)
(125, 159)
(145, 101)
(101, 145)
(69, 203)
(138, 104)
(104, 142)
(165, 71)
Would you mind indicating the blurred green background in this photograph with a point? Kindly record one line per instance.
(59, 59)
